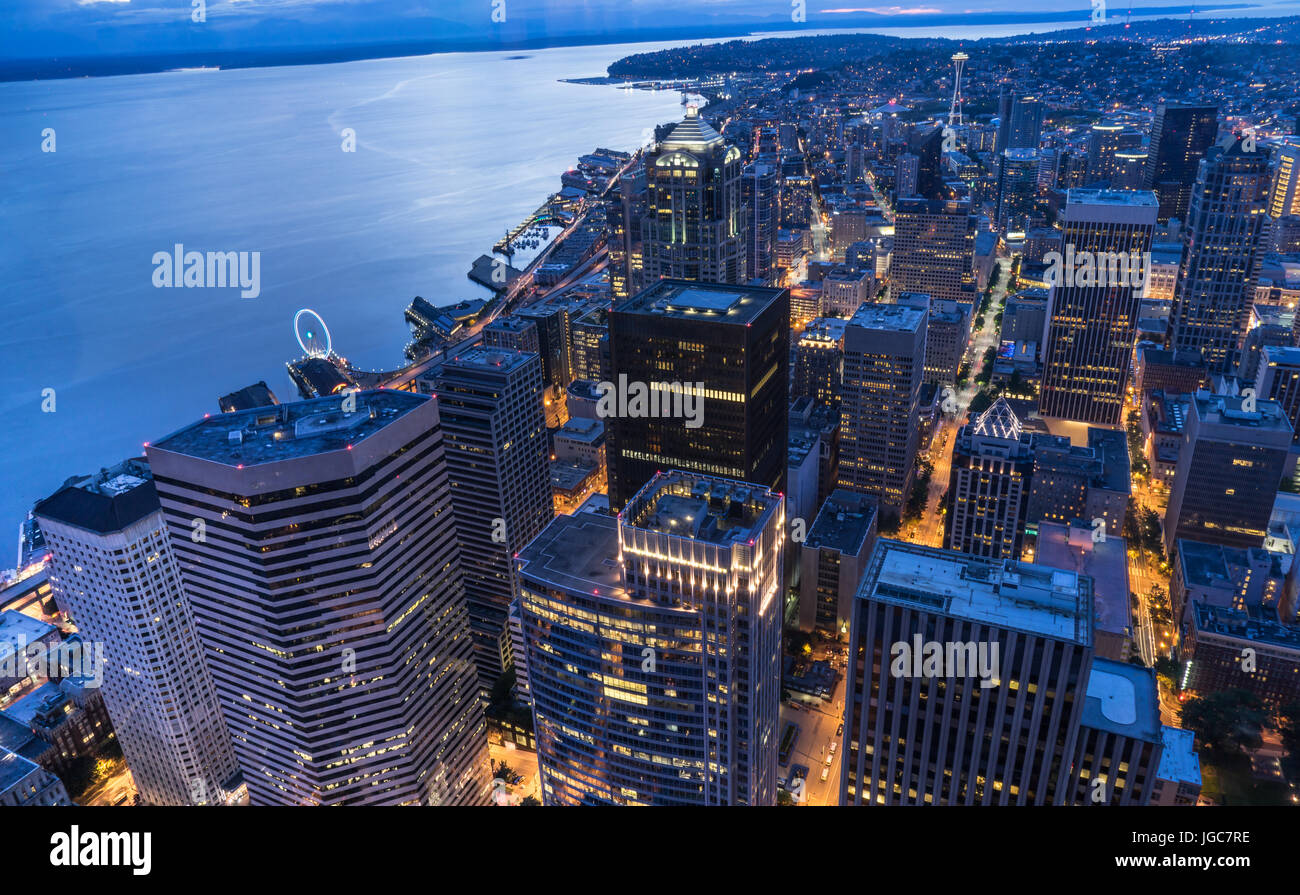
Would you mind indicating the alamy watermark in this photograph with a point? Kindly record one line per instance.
(208, 270)
(945, 659)
(73, 658)
(1086, 269)
(636, 399)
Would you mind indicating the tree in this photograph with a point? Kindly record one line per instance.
(1167, 671)
(1226, 722)
(981, 402)
(1289, 728)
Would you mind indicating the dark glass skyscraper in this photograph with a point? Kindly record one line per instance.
(1180, 135)
(726, 347)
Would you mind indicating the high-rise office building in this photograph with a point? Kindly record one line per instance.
(819, 361)
(884, 368)
(934, 248)
(701, 384)
(1120, 740)
(116, 572)
(1284, 191)
(1130, 168)
(992, 465)
(1277, 378)
(832, 559)
(694, 228)
(317, 547)
(1092, 320)
(947, 332)
(625, 211)
(490, 411)
(654, 646)
(965, 680)
(1224, 246)
(1180, 135)
(1017, 188)
(761, 194)
(1020, 124)
(1229, 466)
(1105, 142)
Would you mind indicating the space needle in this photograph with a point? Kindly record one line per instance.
(954, 114)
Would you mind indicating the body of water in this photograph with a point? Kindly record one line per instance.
(451, 150)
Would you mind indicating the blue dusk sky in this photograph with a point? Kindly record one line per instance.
(32, 29)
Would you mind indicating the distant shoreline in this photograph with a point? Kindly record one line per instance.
(61, 68)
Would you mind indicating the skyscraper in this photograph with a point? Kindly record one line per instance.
(965, 680)
(761, 194)
(1092, 317)
(1020, 122)
(1223, 248)
(317, 547)
(490, 410)
(1017, 188)
(934, 246)
(884, 367)
(1229, 467)
(992, 464)
(1105, 142)
(1284, 192)
(694, 228)
(1180, 135)
(116, 571)
(718, 357)
(654, 647)
(625, 211)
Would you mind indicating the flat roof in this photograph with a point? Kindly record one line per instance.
(843, 522)
(25, 708)
(900, 318)
(1105, 562)
(17, 630)
(107, 501)
(581, 428)
(1121, 698)
(13, 768)
(1179, 761)
(481, 357)
(290, 431)
(577, 552)
(1240, 625)
(1007, 593)
(1226, 410)
(689, 300)
(1130, 198)
(1203, 564)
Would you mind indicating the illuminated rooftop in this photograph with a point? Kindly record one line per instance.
(689, 300)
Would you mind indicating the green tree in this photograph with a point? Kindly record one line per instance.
(1226, 722)
(1289, 728)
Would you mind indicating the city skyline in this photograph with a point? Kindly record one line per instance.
(795, 441)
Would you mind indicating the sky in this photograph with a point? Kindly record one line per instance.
(60, 28)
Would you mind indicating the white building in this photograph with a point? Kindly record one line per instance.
(116, 571)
